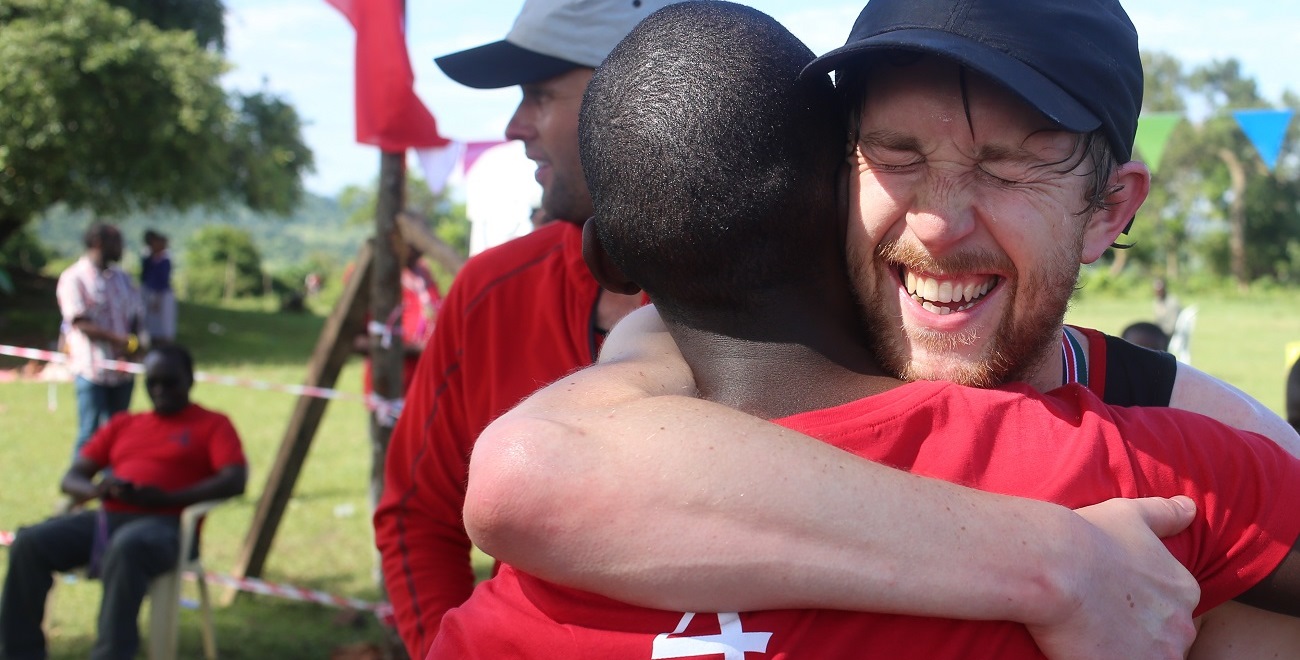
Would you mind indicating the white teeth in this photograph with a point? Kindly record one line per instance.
(929, 289)
(933, 294)
(945, 293)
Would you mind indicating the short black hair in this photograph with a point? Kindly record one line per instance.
(96, 233)
(179, 353)
(712, 166)
(1145, 333)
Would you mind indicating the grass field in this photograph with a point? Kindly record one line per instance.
(1240, 339)
(325, 541)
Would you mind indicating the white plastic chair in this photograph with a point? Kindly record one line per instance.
(165, 593)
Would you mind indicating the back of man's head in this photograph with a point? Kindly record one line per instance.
(711, 164)
(1146, 334)
(96, 234)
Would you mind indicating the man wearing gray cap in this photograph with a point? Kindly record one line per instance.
(517, 317)
(991, 153)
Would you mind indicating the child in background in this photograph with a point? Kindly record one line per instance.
(156, 295)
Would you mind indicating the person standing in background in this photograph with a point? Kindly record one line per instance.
(158, 301)
(101, 315)
(1166, 307)
(414, 318)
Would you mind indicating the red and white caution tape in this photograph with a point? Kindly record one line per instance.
(290, 592)
(200, 376)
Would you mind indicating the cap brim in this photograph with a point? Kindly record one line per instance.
(1023, 80)
(501, 64)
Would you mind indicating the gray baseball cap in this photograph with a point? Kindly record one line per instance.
(550, 37)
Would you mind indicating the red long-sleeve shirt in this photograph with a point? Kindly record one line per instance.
(517, 317)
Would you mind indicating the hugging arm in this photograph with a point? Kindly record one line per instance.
(617, 481)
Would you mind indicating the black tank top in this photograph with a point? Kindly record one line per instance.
(1137, 376)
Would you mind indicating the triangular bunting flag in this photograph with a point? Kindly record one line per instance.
(1266, 129)
(475, 149)
(439, 163)
(1154, 129)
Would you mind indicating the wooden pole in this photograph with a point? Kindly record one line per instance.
(415, 231)
(386, 352)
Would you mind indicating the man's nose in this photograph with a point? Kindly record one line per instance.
(521, 125)
(943, 212)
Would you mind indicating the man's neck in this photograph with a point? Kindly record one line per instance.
(612, 307)
(799, 354)
(1049, 373)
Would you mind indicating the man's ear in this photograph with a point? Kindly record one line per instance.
(1130, 184)
(606, 272)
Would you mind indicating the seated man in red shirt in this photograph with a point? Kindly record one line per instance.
(699, 120)
(161, 462)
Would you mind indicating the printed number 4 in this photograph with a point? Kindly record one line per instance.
(731, 641)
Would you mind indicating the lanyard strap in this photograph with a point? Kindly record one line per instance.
(1074, 361)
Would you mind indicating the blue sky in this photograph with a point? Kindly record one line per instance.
(302, 50)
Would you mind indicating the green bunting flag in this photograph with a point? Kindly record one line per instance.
(1154, 129)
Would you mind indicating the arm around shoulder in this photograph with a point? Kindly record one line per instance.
(677, 516)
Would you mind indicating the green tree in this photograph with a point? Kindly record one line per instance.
(1213, 203)
(100, 110)
(221, 263)
(205, 18)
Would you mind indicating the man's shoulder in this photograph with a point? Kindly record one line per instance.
(550, 240)
(75, 270)
(553, 253)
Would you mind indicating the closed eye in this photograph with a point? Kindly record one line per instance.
(890, 160)
(1001, 180)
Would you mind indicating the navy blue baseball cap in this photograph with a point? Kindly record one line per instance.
(1075, 61)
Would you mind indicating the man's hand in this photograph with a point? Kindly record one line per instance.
(1134, 600)
(148, 497)
(113, 488)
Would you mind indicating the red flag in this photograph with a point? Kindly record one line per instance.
(389, 114)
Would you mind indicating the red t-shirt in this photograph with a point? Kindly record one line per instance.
(171, 453)
(517, 317)
(1065, 447)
